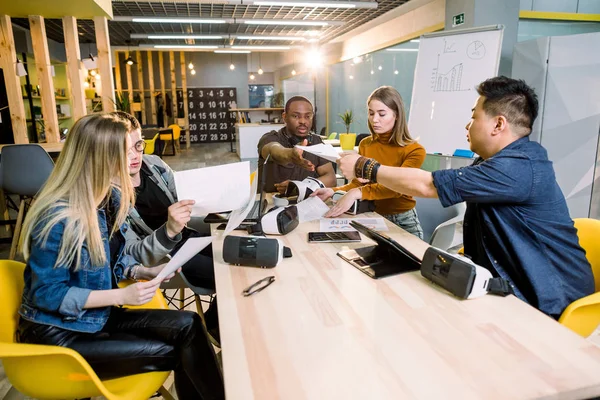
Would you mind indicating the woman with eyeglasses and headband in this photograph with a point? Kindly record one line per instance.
(73, 240)
(390, 144)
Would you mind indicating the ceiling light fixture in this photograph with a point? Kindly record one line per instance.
(173, 20)
(261, 47)
(257, 37)
(205, 37)
(286, 22)
(193, 72)
(341, 4)
(182, 46)
(252, 77)
(190, 65)
(231, 66)
(294, 72)
(177, 20)
(260, 70)
(233, 51)
(129, 61)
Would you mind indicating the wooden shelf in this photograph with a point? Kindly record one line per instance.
(40, 119)
(56, 97)
(256, 109)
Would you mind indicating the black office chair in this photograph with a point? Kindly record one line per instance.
(361, 136)
(25, 169)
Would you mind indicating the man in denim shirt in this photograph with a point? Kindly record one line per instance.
(517, 224)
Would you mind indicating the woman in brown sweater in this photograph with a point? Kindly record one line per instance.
(390, 143)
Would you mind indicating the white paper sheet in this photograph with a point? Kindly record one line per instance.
(322, 150)
(238, 216)
(215, 189)
(343, 224)
(311, 209)
(190, 248)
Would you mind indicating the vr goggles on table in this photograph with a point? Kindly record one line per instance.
(461, 276)
(280, 220)
(359, 206)
(297, 191)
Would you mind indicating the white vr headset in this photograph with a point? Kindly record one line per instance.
(280, 220)
(297, 191)
(461, 276)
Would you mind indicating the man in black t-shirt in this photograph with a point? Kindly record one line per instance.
(287, 162)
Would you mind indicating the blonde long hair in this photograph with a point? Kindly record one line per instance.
(94, 157)
(392, 99)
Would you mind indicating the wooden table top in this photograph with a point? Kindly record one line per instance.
(49, 147)
(324, 330)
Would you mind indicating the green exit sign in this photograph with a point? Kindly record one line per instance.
(458, 19)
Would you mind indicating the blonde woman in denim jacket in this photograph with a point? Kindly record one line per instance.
(73, 238)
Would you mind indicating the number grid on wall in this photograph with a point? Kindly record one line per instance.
(210, 120)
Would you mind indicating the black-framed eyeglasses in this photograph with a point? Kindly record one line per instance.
(139, 146)
(258, 286)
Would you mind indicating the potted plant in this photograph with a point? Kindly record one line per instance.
(347, 119)
(277, 100)
(122, 101)
(347, 140)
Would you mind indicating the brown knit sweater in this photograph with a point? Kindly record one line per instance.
(386, 200)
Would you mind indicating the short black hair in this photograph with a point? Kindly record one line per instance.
(511, 98)
(293, 99)
(123, 116)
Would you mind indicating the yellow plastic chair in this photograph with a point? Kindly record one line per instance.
(332, 136)
(166, 137)
(583, 316)
(150, 144)
(54, 372)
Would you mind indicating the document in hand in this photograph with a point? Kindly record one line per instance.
(238, 216)
(311, 209)
(215, 189)
(322, 150)
(190, 248)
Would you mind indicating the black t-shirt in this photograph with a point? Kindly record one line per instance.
(151, 202)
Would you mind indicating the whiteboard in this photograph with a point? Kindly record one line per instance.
(449, 67)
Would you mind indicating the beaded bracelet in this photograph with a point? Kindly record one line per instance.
(366, 168)
(358, 166)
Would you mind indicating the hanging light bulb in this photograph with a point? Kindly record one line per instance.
(351, 77)
(380, 68)
(190, 65)
(231, 67)
(252, 77)
(372, 72)
(93, 72)
(396, 72)
(86, 84)
(97, 77)
(130, 61)
(293, 72)
(193, 72)
(260, 71)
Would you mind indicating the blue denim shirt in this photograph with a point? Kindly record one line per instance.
(517, 225)
(56, 295)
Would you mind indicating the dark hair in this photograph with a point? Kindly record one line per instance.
(123, 116)
(293, 99)
(511, 98)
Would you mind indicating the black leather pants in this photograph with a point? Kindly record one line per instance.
(136, 341)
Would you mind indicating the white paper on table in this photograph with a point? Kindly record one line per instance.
(190, 248)
(215, 189)
(311, 209)
(322, 150)
(343, 224)
(238, 216)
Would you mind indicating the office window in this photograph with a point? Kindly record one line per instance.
(260, 96)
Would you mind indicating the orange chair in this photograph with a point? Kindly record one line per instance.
(54, 372)
(166, 137)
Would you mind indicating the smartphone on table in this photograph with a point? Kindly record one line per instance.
(333, 237)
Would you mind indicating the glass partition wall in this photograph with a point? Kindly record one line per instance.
(352, 81)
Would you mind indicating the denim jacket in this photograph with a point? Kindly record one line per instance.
(56, 295)
(518, 226)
